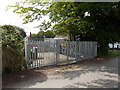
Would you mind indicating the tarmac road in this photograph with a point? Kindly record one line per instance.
(99, 74)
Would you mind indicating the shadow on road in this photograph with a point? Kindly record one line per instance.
(101, 83)
(25, 78)
(88, 76)
(109, 66)
(107, 69)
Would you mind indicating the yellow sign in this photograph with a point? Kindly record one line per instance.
(81, 43)
(64, 44)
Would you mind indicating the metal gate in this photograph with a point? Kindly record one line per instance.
(57, 52)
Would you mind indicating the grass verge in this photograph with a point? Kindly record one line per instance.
(113, 53)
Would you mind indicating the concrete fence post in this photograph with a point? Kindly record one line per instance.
(57, 52)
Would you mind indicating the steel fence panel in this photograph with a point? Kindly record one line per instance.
(57, 52)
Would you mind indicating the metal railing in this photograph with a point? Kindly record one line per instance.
(57, 52)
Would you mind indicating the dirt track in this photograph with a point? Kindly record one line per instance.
(88, 74)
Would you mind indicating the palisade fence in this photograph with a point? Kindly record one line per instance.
(57, 52)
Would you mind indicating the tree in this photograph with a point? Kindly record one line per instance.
(43, 34)
(47, 34)
(36, 37)
(12, 48)
(102, 16)
(21, 30)
(97, 25)
(92, 21)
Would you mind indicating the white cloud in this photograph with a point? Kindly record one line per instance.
(8, 17)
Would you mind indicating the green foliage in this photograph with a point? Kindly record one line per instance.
(47, 34)
(44, 25)
(13, 48)
(11, 35)
(99, 24)
(30, 11)
(114, 52)
(21, 31)
(43, 34)
(37, 37)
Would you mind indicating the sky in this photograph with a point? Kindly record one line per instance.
(10, 18)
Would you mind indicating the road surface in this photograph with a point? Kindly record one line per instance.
(92, 74)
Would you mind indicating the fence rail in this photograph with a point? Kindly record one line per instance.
(57, 52)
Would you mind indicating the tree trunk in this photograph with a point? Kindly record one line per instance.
(113, 46)
(103, 49)
(72, 37)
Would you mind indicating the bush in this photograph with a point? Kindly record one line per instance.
(12, 48)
